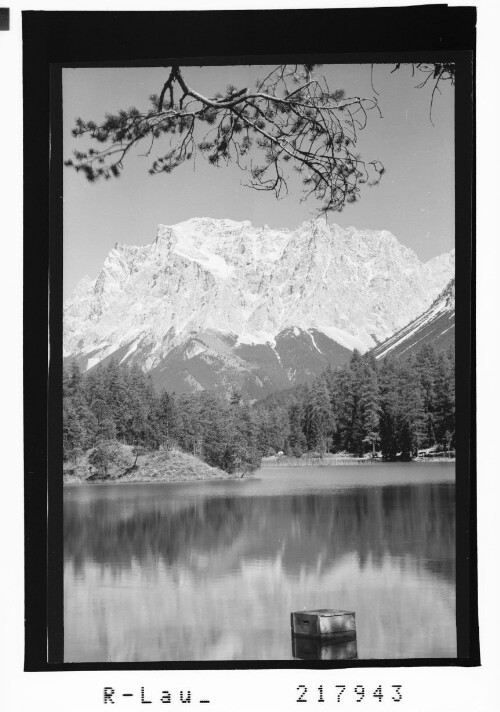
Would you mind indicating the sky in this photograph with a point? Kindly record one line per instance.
(414, 200)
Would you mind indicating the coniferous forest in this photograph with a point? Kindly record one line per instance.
(392, 409)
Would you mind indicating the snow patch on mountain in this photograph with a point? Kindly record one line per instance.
(314, 342)
(259, 337)
(426, 327)
(187, 247)
(131, 350)
(348, 340)
(193, 350)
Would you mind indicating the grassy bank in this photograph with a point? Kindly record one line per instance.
(332, 460)
(309, 461)
(156, 466)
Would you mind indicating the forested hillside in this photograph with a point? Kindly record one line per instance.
(396, 407)
(118, 403)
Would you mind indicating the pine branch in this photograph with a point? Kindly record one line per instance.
(309, 126)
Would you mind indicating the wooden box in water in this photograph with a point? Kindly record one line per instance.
(324, 623)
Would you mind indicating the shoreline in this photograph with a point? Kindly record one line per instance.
(237, 477)
(159, 481)
(352, 462)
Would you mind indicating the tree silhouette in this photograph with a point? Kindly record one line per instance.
(291, 118)
(429, 73)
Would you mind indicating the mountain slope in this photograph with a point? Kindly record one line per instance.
(221, 304)
(436, 326)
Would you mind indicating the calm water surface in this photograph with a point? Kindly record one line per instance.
(211, 570)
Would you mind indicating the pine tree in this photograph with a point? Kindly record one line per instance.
(73, 431)
(190, 436)
(318, 418)
(358, 377)
(246, 430)
(74, 381)
(341, 407)
(116, 395)
(167, 419)
(425, 365)
(216, 427)
(106, 429)
(79, 423)
(370, 405)
(445, 401)
(297, 440)
(411, 415)
(137, 403)
(389, 409)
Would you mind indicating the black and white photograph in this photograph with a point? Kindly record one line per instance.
(259, 362)
(251, 448)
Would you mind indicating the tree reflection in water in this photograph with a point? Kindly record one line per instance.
(311, 649)
(163, 578)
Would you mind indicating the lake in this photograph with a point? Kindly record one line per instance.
(212, 570)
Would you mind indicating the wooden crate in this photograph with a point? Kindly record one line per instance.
(318, 649)
(324, 623)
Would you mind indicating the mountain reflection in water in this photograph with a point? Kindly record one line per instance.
(212, 570)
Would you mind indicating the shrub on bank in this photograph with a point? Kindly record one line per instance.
(111, 461)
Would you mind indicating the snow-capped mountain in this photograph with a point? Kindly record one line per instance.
(221, 304)
(436, 325)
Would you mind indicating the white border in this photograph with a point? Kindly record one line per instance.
(430, 689)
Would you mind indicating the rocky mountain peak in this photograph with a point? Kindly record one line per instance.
(249, 284)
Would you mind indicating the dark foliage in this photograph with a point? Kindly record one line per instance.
(397, 407)
(117, 403)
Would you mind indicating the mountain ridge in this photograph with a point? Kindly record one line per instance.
(250, 304)
(435, 325)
